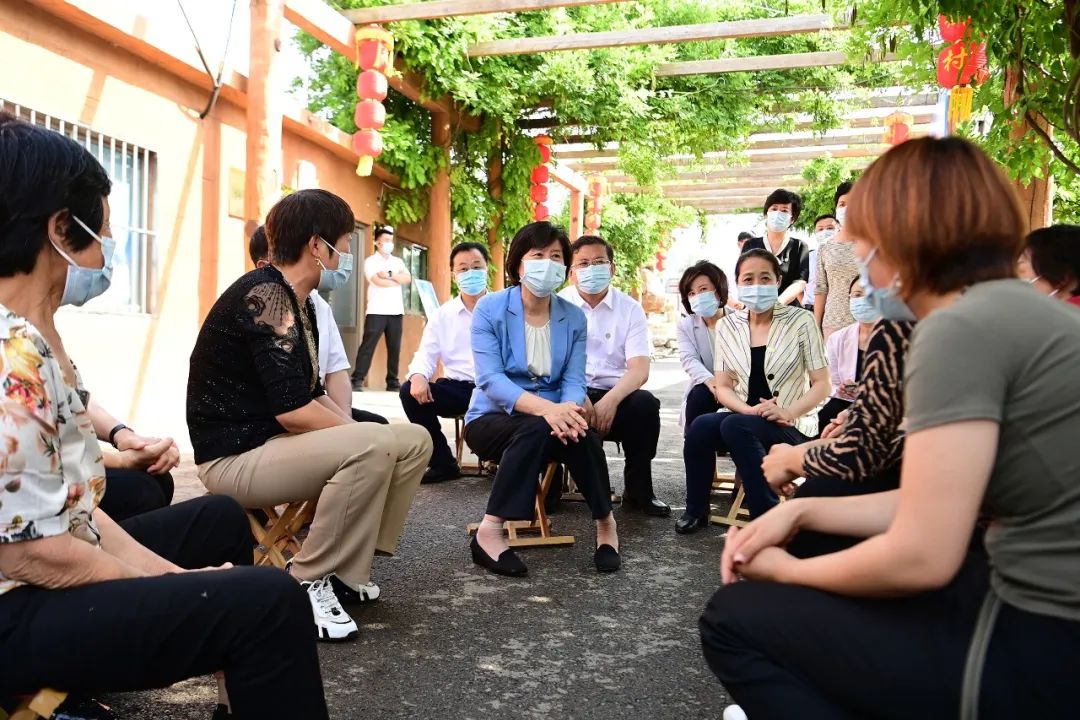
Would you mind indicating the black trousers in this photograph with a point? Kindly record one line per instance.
(451, 398)
(133, 492)
(523, 446)
(124, 635)
(376, 326)
(808, 543)
(784, 651)
(637, 427)
(365, 416)
(699, 401)
(830, 410)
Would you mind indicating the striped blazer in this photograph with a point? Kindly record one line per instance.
(793, 349)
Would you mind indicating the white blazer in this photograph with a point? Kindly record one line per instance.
(695, 354)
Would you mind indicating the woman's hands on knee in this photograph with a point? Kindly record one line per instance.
(567, 421)
(774, 530)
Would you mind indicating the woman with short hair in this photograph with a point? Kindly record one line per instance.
(1051, 262)
(266, 433)
(908, 622)
(528, 406)
(703, 289)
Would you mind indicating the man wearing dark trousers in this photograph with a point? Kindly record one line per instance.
(616, 368)
(386, 275)
(447, 339)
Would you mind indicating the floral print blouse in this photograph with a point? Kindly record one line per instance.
(51, 471)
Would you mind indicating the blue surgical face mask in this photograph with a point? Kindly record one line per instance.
(758, 298)
(85, 284)
(778, 220)
(333, 279)
(824, 236)
(542, 277)
(862, 310)
(885, 300)
(472, 282)
(841, 214)
(705, 304)
(594, 279)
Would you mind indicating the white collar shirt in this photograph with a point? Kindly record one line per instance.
(332, 357)
(383, 300)
(617, 332)
(447, 338)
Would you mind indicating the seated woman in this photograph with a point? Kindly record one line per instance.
(527, 409)
(1051, 262)
(845, 350)
(703, 288)
(771, 375)
(266, 433)
(88, 605)
(907, 623)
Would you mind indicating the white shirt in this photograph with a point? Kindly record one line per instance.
(447, 337)
(383, 300)
(618, 331)
(538, 349)
(332, 357)
(811, 283)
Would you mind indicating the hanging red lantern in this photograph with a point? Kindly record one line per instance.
(660, 258)
(368, 145)
(370, 115)
(898, 127)
(592, 222)
(540, 212)
(539, 193)
(951, 31)
(545, 153)
(374, 48)
(371, 85)
(540, 175)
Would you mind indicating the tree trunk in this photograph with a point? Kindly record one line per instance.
(1036, 197)
(495, 191)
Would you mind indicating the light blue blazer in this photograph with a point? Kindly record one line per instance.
(498, 346)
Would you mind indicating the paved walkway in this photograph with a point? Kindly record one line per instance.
(448, 640)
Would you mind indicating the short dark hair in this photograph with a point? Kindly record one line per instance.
(1055, 254)
(586, 240)
(534, 236)
(43, 172)
(258, 248)
(757, 253)
(841, 190)
(466, 247)
(295, 218)
(703, 268)
(784, 197)
(854, 280)
(826, 216)
(381, 230)
(745, 236)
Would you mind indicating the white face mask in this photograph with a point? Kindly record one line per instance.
(778, 220)
(387, 246)
(85, 284)
(824, 236)
(841, 214)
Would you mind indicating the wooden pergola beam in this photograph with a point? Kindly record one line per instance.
(457, 8)
(758, 63)
(701, 189)
(781, 143)
(767, 27)
(793, 154)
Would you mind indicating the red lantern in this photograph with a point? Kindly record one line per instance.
(660, 257)
(370, 114)
(540, 212)
(374, 48)
(951, 31)
(952, 66)
(539, 193)
(898, 127)
(371, 85)
(545, 153)
(592, 221)
(540, 175)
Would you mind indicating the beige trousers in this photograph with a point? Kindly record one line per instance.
(364, 476)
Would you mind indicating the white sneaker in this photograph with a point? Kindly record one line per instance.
(350, 595)
(734, 712)
(333, 622)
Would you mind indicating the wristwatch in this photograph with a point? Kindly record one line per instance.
(114, 431)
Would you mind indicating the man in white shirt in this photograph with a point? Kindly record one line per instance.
(447, 339)
(333, 362)
(386, 275)
(616, 368)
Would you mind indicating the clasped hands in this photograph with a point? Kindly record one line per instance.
(567, 420)
(756, 552)
(156, 456)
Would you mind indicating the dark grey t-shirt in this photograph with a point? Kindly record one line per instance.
(1007, 353)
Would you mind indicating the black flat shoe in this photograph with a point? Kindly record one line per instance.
(688, 524)
(607, 559)
(508, 563)
(651, 507)
(438, 475)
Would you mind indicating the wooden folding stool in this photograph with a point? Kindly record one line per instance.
(538, 530)
(276, 536)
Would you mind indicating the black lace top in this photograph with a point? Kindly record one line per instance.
(256, 357)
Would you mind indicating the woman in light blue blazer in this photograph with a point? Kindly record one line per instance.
(703, 288)
(527, 409)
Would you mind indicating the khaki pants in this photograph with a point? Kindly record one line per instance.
(364, 476)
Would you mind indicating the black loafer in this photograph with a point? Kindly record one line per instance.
(688, 524)
(652, 506)
(438, 475)
(607, 559)
(508, 563)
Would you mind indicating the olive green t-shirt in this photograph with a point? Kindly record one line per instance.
(1005, 352)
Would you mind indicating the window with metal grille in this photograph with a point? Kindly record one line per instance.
(133, 172)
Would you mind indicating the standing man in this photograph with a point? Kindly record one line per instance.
(743, 237)
(781, 211)
(616, 367)
(448, 339)
(825, 229)
(386, 275)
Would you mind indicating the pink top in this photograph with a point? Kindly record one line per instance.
(842, 349)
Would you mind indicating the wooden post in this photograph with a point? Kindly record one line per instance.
(439, 223)
(262, 177)
(1037, 197)
(577, 214)
(495, 191)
